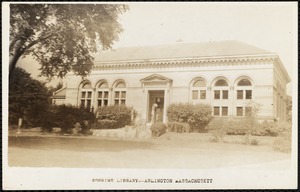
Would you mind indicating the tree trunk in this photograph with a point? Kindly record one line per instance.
(13, 61)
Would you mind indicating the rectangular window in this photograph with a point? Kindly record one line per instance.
(123, 94)
(239, 111)
(248, 94)
(89, 95)
(216, 111)
(224, 111)
(83, 94)
(99, 103)
(88, 103)
(239, 94)
(116, 102)
(202, 94)
(105, 94)
(217, 94)
(122, 102)
(105, 102)
(82, 102)
(195, 94)
(100, 94)
(225, 94)
(117, 94)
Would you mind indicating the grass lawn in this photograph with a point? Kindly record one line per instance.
(193, 150)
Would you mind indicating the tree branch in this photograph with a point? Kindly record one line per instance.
(19, 52)
(37, 41)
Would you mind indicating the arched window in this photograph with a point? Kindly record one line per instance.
(221, 89)
(120, 93)
(244, 90)
(86, 95)
(199, 90)
(220, 96)
(102, 94)
(243, 93)
(244, 82)
(221, 83)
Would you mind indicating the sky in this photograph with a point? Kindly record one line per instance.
(270, 26)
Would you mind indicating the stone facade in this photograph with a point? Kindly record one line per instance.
(226, 82)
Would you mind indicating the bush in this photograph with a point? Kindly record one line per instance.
(216, 129)
(230, 126)
(275, 128)
(197, 116)
(158, 129)
(178, 127)
(123, 115)
(239, 126)
(105, 124)
(234, 126)
(66, 116)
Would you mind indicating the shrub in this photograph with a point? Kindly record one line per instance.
(230, 126)
(283, 129)
(105, 124)
(239, 126)
(178, 127)
(197, 116)
(234, 126)
(123, 115)
(158, 129)
(216, 129)
(275, 128)
(66, 116)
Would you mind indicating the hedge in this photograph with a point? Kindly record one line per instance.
(239, 126)
(105, 124)
(121, 114)
(65, 117)
(197, 116)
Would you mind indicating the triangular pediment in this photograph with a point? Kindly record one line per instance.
(156, 78)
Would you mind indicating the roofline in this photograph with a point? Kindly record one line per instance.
(186, 58)
(60, 90)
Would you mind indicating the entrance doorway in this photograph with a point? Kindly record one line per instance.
(156, 101)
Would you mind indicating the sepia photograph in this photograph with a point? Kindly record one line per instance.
(169, 95)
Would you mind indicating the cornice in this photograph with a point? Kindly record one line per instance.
(185, 62)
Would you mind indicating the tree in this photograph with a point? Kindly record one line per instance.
(62, 37)
(28, 98)
(251, 111)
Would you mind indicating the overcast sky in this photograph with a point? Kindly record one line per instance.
(270, 26)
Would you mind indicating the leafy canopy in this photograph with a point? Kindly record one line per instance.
(62, 37)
